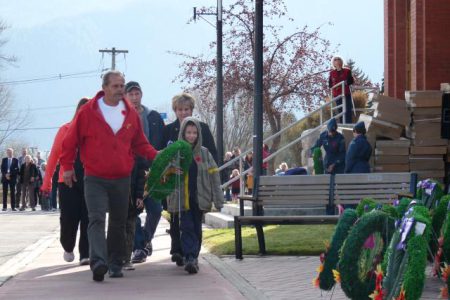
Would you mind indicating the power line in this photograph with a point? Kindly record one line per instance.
(43, 108)
(30, 128)
(55, 77)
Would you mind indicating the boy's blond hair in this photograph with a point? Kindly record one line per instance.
(183, 99)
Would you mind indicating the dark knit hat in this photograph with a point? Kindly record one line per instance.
(132, 85)
(360, 128)
(332, 125)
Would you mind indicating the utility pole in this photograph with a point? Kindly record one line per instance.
(258, 96)
(219, 79)
(113, 52)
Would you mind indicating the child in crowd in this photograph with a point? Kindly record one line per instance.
(235, 186)
(203, 188)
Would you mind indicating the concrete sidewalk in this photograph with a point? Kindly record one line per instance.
(50, 277)
(43, 274)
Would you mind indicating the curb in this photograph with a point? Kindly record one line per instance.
(10, 268)
(239, 282)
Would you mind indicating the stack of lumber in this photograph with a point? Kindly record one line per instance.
(427, 148)
(390, 116)
(392, 155)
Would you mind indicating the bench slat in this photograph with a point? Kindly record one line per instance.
(295, 202)
(306, 187)
(294, 179)
(373, 178)
(371, 186)
(367, 191)
(276, 193)
(289, 219)
(382, 201)
(362, 196)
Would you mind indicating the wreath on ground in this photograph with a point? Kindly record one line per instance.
(405, 260)
(429, 191)
(440, 215)
(162, 177)
(330, 258)
(362, 252)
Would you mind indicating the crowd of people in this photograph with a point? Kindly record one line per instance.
(22, 178)
(92, 182)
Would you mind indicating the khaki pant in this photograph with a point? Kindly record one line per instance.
(27, 189)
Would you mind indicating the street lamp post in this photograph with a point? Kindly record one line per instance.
(219, 79)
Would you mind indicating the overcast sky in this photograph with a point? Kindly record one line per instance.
(51, 37)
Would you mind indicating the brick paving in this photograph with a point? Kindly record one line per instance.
(44, 274)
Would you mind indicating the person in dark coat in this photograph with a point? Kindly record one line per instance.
(10, 170)
(334, 144)
(359, 151)
(183, 106)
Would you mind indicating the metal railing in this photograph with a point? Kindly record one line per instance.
(321, 110)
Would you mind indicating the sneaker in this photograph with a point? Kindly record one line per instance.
(22, 209)
(149, 248)
(33, 209)
(99, 271)
(84, 262)
(178, 259)
(4, 209)
(128, 266)
(139, 256)
(68, 256)
(14, 209)
(115, 272)
(191, 266)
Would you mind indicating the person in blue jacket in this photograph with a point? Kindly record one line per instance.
(334, 144)
(359, 151)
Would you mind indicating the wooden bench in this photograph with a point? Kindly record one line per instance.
(383, 187)
(321, 190)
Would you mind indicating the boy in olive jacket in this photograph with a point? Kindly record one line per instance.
(191, 201)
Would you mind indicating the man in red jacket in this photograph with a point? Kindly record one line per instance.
(107, 132)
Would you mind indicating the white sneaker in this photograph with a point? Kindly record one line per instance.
(84, 262)
(68, 256)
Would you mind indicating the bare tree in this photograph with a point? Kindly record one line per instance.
(10, 119)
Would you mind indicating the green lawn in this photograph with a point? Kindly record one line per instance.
(280, 240)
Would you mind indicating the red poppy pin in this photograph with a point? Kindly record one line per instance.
(124, 112)
(198, 159)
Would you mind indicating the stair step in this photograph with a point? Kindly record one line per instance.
(219, 220)
(233, 209)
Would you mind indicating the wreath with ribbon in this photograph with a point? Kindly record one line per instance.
(330, 258)
(429, 192)
(328, 271)
(363, 250)
(162, 177)
(405, 260)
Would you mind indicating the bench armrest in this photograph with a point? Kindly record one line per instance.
(247, 198)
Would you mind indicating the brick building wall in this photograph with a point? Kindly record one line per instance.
(416, 45)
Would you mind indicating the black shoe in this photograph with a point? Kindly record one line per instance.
(178, 259)
(14, 209)
(191, 266)
(33, 209)
(4, 209)
(149, 248)
(115, 273)
(99, 272)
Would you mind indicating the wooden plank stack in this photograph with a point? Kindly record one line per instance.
(427, 148)
(392, 155)
(384, 130)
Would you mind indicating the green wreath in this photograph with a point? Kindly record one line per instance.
(358, 279)
(318, 162)
(405, 269)
(331, 257)
(162, 177)
(429, 200)
(439, 216)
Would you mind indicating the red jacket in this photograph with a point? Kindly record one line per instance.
(103, 153)
(336, 76)
(53, 159)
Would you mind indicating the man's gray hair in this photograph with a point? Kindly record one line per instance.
(109, 74)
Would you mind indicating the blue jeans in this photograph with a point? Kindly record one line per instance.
(145, 234)
(191, 231)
